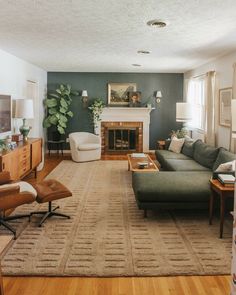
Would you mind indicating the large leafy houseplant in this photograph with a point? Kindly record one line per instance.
(58, 108)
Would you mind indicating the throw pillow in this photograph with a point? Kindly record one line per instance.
(176, 145)
(224, 156)
(226, 167)
(188, 149)
(205, 154)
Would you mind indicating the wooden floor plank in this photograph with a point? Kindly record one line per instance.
(181, 285)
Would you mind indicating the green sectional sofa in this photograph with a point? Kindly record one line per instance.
(183, 181)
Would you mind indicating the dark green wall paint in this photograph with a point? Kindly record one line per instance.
(162, 118)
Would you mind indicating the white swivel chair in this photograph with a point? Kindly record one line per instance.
(85, 146)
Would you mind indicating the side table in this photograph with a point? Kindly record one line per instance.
(224, 192)
(161, 144)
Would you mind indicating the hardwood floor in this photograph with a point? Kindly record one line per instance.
(180, 285)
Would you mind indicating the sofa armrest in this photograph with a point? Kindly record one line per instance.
(5, 191)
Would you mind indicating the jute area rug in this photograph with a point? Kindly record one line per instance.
(108, 236)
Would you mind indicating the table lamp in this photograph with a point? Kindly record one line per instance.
(24, 109)
(183, 112)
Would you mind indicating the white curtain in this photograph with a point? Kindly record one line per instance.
(210, 94)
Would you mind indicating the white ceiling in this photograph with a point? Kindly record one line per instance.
(104, 35)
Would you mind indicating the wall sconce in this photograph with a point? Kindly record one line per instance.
(85, 98)
(158, 96)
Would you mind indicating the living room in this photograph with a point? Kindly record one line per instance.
(103, 89)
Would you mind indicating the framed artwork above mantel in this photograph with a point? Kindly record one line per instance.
(225, 97)
(118, 93)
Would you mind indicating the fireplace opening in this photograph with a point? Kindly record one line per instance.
(122, 139)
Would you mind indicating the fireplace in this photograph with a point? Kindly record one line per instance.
(121, 137)
(136, 120)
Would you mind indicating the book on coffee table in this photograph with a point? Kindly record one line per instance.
(138, 155)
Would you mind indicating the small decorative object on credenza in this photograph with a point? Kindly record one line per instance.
(17, 137)
(24, 110)
(227, 179)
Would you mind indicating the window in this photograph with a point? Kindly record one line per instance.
(196, 96)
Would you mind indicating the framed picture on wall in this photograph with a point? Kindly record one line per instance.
(118, 93)
(225, 97)
(135, 99)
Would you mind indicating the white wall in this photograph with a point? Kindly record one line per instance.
(14, 73)
(224, 72)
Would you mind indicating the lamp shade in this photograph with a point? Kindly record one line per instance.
(183, 112)
(24, 109)
(84, 93)
(158, 94)
(233, 117)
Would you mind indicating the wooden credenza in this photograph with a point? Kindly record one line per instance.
(23, 159)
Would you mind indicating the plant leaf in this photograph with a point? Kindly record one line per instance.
(58, 91)
(54, 95)
(50, 103)
(62, 110)
(62, 124)
(63, 103)
(70, 114)
(46, 123)
(63, 118)
(52, 111)
(53, 119)
(60, 129)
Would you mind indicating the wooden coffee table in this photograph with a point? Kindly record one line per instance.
(133, 164)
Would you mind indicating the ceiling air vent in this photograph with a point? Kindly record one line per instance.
(156, 23)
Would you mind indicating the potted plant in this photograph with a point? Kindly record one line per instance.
(96, 109)
(181, 133)
(58, 108)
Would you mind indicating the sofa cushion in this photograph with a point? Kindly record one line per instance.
(205, 154)
(223, 157)
(188, 149)
(167, 186)
(89, 146)
(160, 154)
(184, 165)
(163, 156)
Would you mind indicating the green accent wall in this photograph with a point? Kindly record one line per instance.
(162, 118)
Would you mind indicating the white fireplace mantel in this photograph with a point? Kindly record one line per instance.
(128, 114)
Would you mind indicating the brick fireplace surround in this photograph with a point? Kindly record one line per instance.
(126, 125)
(126, 117)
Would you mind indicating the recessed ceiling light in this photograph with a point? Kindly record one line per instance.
(157, 23)
(136, 65)
(143, 52)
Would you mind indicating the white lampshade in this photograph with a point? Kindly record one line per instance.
(233, 115)
(84, 93)
(24, 109)
(158, 94)
(183, 112)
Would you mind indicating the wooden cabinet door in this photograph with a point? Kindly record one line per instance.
(10, 163)
(36, 153)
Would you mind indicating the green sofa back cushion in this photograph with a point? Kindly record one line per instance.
(223, 157)
(205, 154)
(187, 149)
